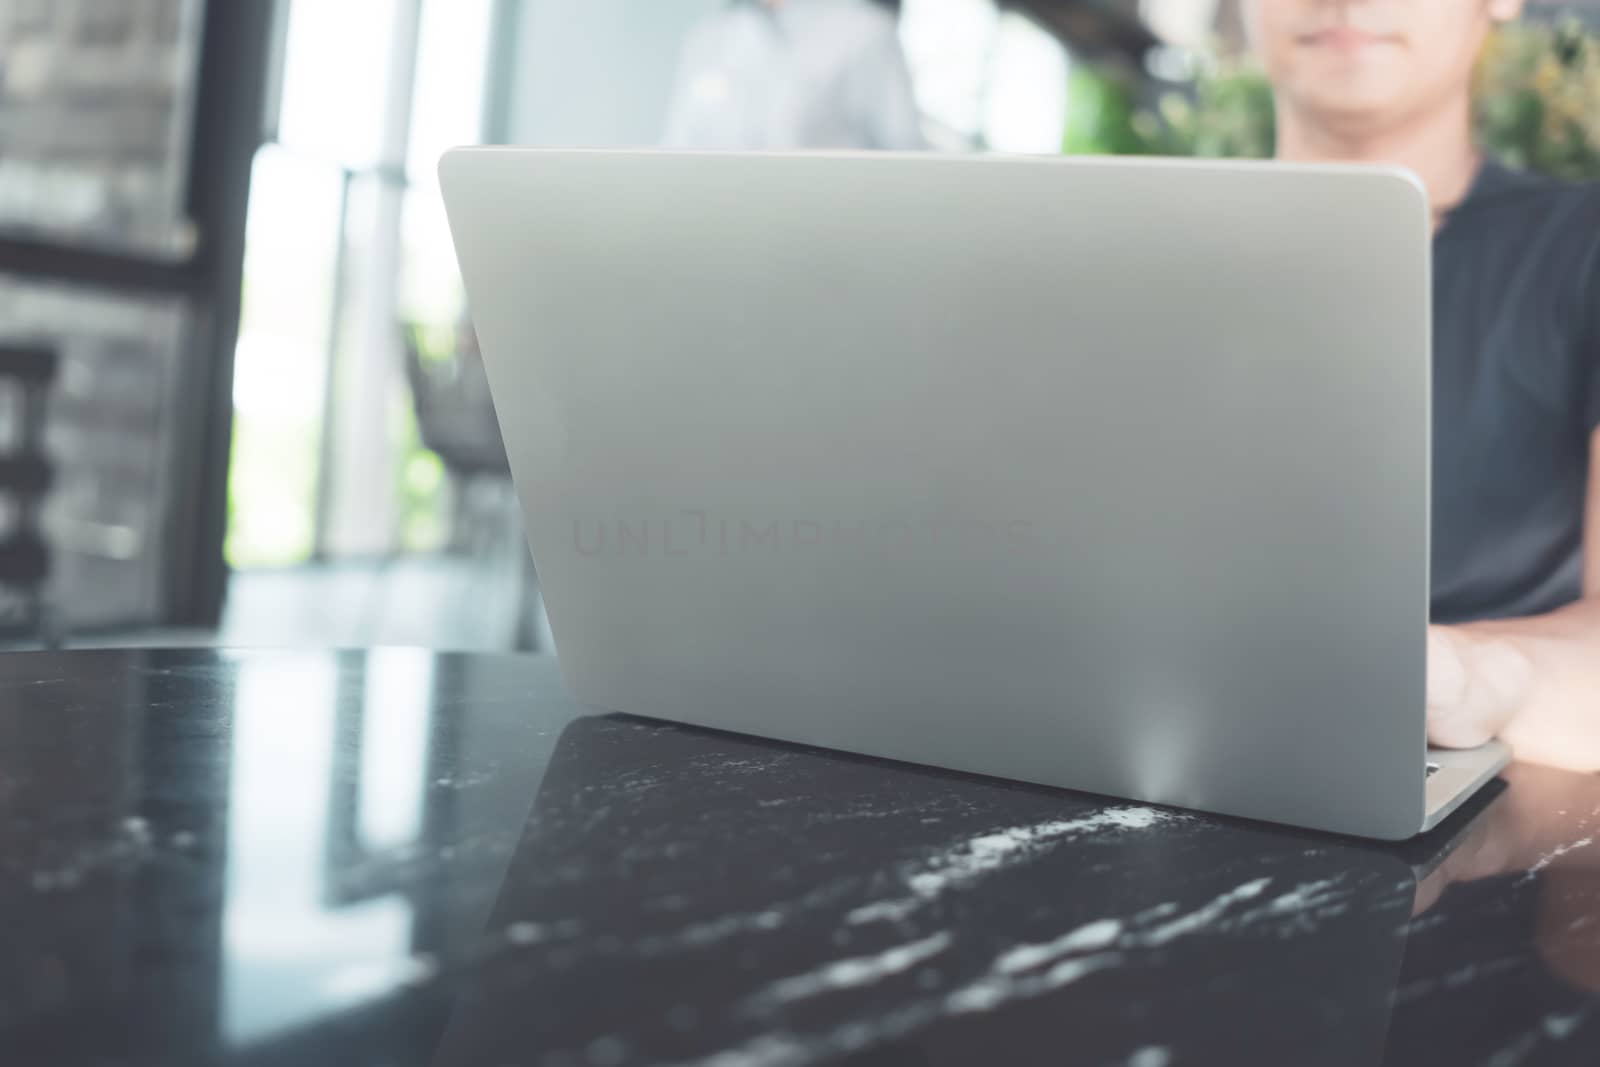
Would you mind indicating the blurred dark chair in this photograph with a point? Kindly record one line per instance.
(26, 474)
(456, 421)
(454, 413)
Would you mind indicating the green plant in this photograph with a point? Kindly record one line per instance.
(1101, 119)
(1537, 90)
(1230, 115)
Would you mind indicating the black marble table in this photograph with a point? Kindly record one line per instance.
(400, 858)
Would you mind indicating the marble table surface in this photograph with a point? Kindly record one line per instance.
(397, 857)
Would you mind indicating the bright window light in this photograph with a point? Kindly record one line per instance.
(1025, 109)
(947, 45)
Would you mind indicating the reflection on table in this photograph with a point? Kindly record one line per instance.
(400, 857)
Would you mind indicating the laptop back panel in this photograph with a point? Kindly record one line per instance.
(1109, 475)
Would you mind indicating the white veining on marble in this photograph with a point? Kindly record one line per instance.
(131, 844)
(714, 930)
(525, 933)
(1515, 1052)
(1307, 895)
(857, 812)
(32, 682)
(787, 1049)
(722, 763)
(859, 971)
(998, 988)
(1150, 1056)
(1089, 948)
(972, 859)
(1554, 854)
(883, 910)
(607, 1051)
(1458, 978)
(1303, 905)
(698, 935)
(1203, 916)
(1427, 922)
(465, 780)
(1561, 1027)
(768, 1050)
(1100, 934)
(1021, 972)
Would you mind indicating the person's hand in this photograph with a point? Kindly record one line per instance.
(1476, 686)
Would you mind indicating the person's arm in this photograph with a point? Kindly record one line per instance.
(1534, 682)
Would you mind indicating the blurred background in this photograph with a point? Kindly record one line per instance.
(240, 399)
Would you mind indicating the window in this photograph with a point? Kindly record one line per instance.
(347, 244)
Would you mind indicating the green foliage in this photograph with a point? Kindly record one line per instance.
(1538, 107)
(1231, 115)
(1539, 99)
(1100, 116)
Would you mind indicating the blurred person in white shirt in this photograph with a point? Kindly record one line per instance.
(794, 74)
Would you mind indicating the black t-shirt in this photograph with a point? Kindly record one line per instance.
(1516, 394)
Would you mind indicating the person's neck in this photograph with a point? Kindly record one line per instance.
(1438, 148)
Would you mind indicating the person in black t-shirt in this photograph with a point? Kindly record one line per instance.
(1515, 646)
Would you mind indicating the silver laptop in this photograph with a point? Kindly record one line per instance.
(1104, 474)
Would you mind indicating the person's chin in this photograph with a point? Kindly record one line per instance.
(1350, 108)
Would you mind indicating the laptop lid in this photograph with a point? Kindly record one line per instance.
(1103, 474)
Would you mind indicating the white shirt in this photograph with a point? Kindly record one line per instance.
(804, 74)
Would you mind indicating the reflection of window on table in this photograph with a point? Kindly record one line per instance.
(326, 812)
(383, 770)
(347, 239)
